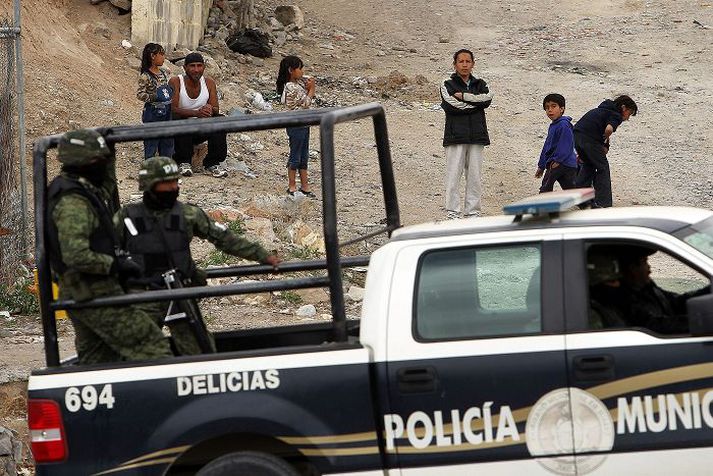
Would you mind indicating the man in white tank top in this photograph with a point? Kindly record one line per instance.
(197, 98)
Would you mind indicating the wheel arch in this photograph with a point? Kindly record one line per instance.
(214, 427)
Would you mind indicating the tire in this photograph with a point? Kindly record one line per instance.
(248, 463)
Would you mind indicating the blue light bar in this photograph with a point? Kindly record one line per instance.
(550, 202)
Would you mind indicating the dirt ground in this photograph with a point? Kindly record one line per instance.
(657, 52)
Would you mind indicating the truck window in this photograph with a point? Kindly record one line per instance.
(700, 236)
(633, 285)
(478, 292)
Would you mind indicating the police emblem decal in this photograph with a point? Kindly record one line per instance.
(565, 421)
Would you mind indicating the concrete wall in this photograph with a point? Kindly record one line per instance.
(172, 23)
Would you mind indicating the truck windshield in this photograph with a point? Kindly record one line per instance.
(699, 235)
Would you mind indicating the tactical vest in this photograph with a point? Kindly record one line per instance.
(162, 243)
(103, 238)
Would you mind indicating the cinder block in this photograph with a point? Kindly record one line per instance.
(172, 23)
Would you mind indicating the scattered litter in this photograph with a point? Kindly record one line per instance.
(308, 310)
(257, 100)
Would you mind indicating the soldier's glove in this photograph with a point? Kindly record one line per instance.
(127, 267)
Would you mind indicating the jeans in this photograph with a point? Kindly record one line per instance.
(594, 170)
(559, 173)
(299, 147)
(152, 147)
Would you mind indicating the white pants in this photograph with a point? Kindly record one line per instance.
(462, 158)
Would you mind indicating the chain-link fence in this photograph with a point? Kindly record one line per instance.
(12, 202)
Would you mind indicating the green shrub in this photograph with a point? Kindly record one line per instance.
(305, 253)
(18, 299)
(291, 297)
(217, 257)
(236, 226)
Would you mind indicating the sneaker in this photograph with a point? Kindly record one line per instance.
(185, 169)
(475, 214)
(290, 193)
(309, 194)
(216, 171)
(451, 215)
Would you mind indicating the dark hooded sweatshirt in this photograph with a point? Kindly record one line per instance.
(594, 122)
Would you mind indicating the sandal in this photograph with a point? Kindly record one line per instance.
(309, 194)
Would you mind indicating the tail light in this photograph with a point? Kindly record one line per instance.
(44, 420)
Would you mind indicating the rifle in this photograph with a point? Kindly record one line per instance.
(188, 310)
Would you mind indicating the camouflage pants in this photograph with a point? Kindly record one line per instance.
(113, 334)
(183, 336)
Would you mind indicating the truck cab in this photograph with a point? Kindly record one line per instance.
(498, 362)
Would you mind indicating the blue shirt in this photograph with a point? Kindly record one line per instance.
(559, 144)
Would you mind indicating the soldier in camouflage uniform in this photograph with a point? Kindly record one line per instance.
(84, 254)
(158, 233)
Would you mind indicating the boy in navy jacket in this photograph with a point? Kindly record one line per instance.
(558, 161)
(591, 139)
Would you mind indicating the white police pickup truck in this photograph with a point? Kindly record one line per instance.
(479, 351)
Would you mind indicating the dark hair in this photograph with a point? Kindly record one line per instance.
(627, 102)
(555, 98)
(283, 75)
(193, 57)
(463, 50)
(149, 49)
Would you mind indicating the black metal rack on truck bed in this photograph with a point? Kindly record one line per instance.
(326, 119)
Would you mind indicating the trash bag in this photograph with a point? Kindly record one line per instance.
(250, 42)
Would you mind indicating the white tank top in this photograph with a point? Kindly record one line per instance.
(185, 102)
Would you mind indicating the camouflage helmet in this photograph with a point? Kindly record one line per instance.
(157, 169)
(602, 268)
(82, 147)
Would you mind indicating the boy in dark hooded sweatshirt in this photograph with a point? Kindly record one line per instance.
(591, 139)
(558, 161)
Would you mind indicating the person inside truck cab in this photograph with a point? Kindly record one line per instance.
(83, 254)
(647, 304)
(158, 233)
(605, 293)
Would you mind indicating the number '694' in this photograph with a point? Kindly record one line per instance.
(88, 398)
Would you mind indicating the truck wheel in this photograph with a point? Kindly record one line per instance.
(247, 463)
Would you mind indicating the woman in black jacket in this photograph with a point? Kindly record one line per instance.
(464, 99)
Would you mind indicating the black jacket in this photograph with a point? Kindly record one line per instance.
(465, 120)
(594, 123)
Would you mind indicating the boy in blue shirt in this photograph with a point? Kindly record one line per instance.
(558, 161)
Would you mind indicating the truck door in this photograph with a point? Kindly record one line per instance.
(475, 340)
(641, 384)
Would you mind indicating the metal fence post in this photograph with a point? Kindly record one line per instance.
(20, 83)
(13, 192)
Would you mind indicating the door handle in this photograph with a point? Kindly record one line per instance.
(417, 379)
(588, 368)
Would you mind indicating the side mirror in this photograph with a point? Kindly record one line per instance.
(700, 315)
